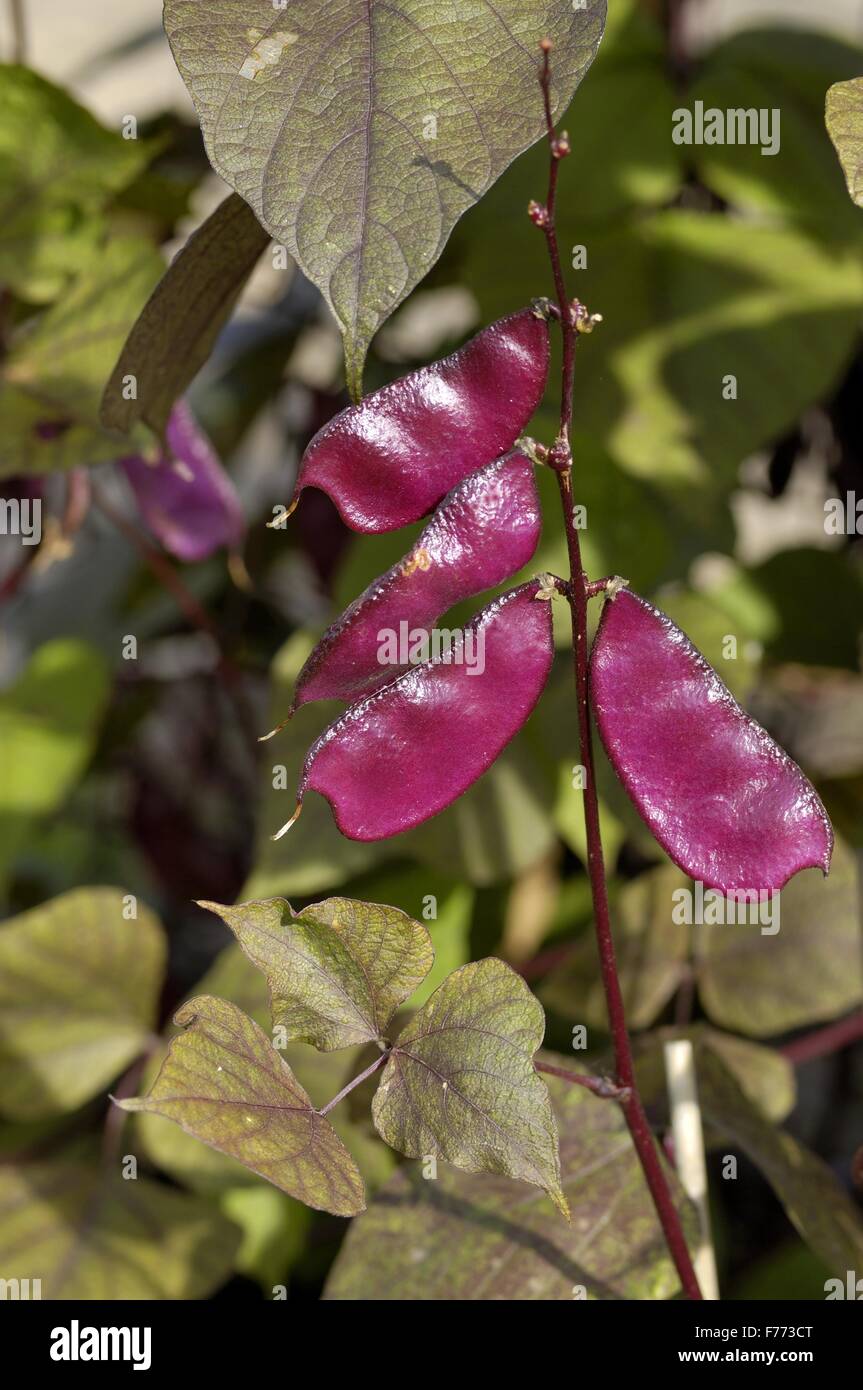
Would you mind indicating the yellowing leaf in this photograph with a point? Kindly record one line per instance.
(844, 114)
(338, 970)
(79, 985)
(225, 1083)
(460, 1082)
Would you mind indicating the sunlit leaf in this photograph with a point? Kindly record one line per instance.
(58, 168)
(48, 725)
(844, 114)
(79, 986)
(224, 1082)
(52, 380)
(460, 1081)
(337, 971)
(360, 136)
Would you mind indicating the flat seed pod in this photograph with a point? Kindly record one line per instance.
(724, 801)
(485, 530)
(410, 749)
(390, 459)
(187, 501)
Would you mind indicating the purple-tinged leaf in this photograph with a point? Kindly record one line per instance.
(460, 1082)
(485, 530)
(224, 1082)
(724, 801)
(406, 752)
(186, 498)
(390, 459)
(337, 971)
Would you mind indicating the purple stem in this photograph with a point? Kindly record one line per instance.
(633, 1109)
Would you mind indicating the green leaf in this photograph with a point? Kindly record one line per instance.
(275, 1230)
(58, 168)
(818, 1207)
(88, 1234)
(57, 368)
(808, 972)
(844, 115)
(765, 1077)
(460, 1082)
(181, 320)
(651, 957)
(337, 971)
(79, 987)
(463, 1237)
(359, 149)
(787, 72)
(48, 726)
(225, 1083)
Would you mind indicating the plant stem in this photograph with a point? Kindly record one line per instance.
(357, 1081)
(19, 31)
(633, 1109)
(601, 1086)
(824, 1041)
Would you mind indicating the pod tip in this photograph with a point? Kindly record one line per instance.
(286, 827)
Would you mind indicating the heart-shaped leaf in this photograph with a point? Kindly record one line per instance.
(79, 986)
(844, 114)
(225, 1083)
(460, 1082)
(485, 530)
(338, 970)
(175, 333)
(463, 1237)
(360, 133)
(410, 749)
(724, 801)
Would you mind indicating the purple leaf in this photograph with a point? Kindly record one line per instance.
(724, 801)
(485, 530)
(410, 749)
(390, 459)
(187, 501)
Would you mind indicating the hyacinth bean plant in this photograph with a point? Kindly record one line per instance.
(459, 1080)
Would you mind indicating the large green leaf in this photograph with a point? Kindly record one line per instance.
(53, 378)
(58, 167)
(461, 1237)
(808, 972)
(175, 333)
(460, 1082)
(79, 986)
(90, 1234)
(48, 724)
(360, 133)
(224, 1082)
(786, 72)
(337, 971)
(844, 114)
